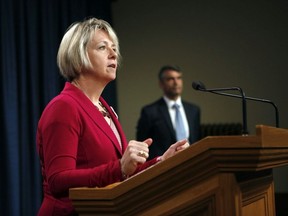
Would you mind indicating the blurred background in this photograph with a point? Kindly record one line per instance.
(221, 43)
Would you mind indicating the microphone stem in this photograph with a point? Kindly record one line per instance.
(270, 102)
(277, 115)
(254, 99)
(200, 86)
(244, 109)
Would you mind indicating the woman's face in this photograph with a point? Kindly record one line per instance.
(102, 54)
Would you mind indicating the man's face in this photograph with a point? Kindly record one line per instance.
(172, 84)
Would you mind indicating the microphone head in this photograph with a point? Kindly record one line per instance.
(198, 85)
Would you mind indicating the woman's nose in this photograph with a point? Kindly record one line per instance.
(113, 53)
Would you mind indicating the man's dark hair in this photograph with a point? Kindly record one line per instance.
(168, 68)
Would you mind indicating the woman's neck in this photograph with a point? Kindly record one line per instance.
(89, 88)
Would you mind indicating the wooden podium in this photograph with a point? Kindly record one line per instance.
(219, 176)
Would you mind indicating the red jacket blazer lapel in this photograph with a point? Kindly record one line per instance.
(96, 115)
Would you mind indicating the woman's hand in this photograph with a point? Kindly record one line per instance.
(175, 148)
(135, 153)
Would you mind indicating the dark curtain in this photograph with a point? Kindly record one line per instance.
(31, 31)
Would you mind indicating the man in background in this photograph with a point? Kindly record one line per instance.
(169, 119)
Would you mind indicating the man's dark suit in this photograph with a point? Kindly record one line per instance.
(155, 123)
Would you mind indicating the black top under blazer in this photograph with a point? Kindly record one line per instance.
(155, 123)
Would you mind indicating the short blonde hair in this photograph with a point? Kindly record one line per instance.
(72, 53)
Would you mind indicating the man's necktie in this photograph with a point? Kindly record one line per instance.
(179, 124)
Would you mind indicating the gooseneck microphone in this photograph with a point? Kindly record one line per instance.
(201, 87)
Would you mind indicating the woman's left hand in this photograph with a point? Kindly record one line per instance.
(175, 148)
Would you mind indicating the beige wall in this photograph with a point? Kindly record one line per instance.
(220, 43)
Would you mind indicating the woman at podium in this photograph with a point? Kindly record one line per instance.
(79, 138)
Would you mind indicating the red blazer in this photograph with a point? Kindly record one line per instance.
(77, 148)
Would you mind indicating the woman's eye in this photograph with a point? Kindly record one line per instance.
(102, 47)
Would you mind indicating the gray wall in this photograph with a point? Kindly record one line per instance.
(221, 43)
